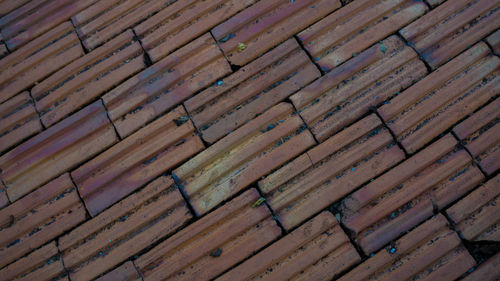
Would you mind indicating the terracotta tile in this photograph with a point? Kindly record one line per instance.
(212, 244)
(38, 59)
(165, 84)
(337, 166)
(241, 158)
(347, 92)
(87, 78)
(43, 264)
(254, 88)
(4, 200)
(481, 135)
(56, 150)
(318, 250)
(183, 21)
(431, 251)
(38, 218)
(265, 24)
(451, 28)
(488, 271)
(407, 194)
(134, 161)
(355, 27)
(435, 103)
(476, 216)
(494, 41)
(8, 5)
(124, 230)
(125, 272)
(36, 18)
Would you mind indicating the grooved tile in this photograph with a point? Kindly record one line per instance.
(182, 22)
(494, 41)
(251, 90)
(87, 78)
(335, 168)
(56, 150)
(8, 5)
(43, 264)
(407, 194)
(38, 59)
(136, 160)
(318, 250)
(165, 84)
(355, 27)
(348, 91)
(266, 24)
(124, 230)
(452, 27)
(435, 103)
(488, 271)
(431, 251)
(241, 158)
(38, 218)
(481, 135)
(18, 120)
(125, 272)
(212, 244)
(477, 216)
(4, 200)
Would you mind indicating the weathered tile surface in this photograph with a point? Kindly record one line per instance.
(237, 160)
(56, 150)
(488, 271)
(494, 41)
(329, 171)
(212, 244)
(4, 200)
(435, 103)
(263, 25)
(125, 272)
(407, 194)
(254, 88)
(124, 230)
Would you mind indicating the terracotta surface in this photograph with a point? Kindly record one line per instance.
(125, 272)
(488, 271)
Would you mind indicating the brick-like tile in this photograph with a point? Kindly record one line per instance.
(241, 158)
(488, 271)
(56, 150)
(450, 28)
(331, 170)
(4, 200)
(18, 120)
(265, 24)
(407, 194)
(494, 41)
(347, 92)
(251, 90)
(431, 251)
(38, 218)
(134, 161)
(38, 59)
(43, 264)
(87, 78)
(435, 103)
(318, 250)
(165, 84)
(124, 230)
(355, 27)
(481, 135)
(125, 272)
(212, 244)
(477, 216)
(8, 5)
(183, 21)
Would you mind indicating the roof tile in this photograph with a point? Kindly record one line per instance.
(125, 272)
(488, 271)
(494, 41)
(4, 200)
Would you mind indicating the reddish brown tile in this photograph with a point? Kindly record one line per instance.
(212, 244)
(431, 251)
(125, 272)
(165, 84)
(182, 22)
(435, 103)
(87, 78)
(407, 194)
(451, 28)
(38, 59)
(265, 24)
(4, 200)
(8, 5)
(241, 158)
(346, 93)
(488, 271)
(254, 88)
(494, 41)
(336, 167)
(355, 27)
(56, 150)
(38, 218)
(318, 250)
(124, 230)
